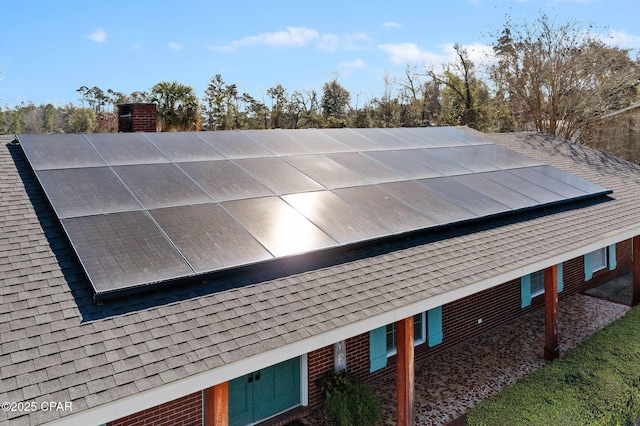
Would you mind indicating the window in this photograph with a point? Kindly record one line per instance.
(532, 285)
(598, 259)
(537, 283)
(418, 333)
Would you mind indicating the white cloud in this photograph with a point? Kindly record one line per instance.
(623, 40)
(358, 63)
(299, 37)
(329, 43)
(175, 46)
(99, 36)
(390, 24)
(291, 37)
(411, 53)
(407, 53)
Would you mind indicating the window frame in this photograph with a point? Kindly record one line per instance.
(391, 330)
(601, 255)
(536, 283)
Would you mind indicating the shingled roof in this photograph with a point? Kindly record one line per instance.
(58, 345)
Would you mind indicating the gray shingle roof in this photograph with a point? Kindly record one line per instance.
(57, 345)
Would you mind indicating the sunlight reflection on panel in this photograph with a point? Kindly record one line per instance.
(278, 227)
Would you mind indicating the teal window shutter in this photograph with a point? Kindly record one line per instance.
(588, 270)
(434, 326)
(378, 349)
(525, 291)
(612, 257)
(560, 279)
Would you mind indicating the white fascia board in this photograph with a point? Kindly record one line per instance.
(171, 391)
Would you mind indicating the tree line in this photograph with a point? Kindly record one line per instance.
(556, 78)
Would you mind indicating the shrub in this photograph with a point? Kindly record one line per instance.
(349, 402)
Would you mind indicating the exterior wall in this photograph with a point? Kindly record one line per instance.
(495, 306)
(137, 118)
(185, 411)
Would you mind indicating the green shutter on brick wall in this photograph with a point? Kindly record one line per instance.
(434, 326)
(525, 291)
(588, 270)
(378, 349)
(560, 278)
(612, 257)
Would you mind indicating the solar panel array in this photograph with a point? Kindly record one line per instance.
(143, 208)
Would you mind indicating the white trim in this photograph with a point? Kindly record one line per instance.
(304, 380)
(169, 392)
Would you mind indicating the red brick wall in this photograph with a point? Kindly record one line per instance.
(185, 411)
(144, 118)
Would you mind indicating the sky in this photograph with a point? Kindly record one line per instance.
(49, 49)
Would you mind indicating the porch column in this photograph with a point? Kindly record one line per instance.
(404, 371)
(551, 349)
(635, 299)
(216, 405)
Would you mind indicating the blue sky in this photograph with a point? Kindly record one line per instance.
(49, 49)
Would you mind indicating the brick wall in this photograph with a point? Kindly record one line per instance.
(185, 411)
(137, 118)
(144, 118)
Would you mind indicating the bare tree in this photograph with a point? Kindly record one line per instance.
(561, 77)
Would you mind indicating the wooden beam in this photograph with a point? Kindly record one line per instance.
(216, 405)
(404, 371)
(635, 298)
(551, 349)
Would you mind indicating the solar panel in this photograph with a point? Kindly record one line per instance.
(224, 180)
(209, 238)
(384, 139)
(352, 139)
(278, 142)
(371, 170)
(278, 227)
(440, 210)
(277, 175)
(525, 187)
(234, 144)
(325, 171)
(402, 163)
(126, 148)
(60, 151)
(386, 209)
(510, 198)
(86, 191)
(463, 196)
(183, 146)
(316, 141)
(161, 185)
(470, 158)
(336, 217)
(143, 208)
(558, 186)
(124, 250)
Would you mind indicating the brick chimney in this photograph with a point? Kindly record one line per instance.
(137, 117)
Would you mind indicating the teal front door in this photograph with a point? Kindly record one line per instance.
(264, 393)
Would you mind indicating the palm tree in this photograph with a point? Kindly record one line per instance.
(177, 106)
